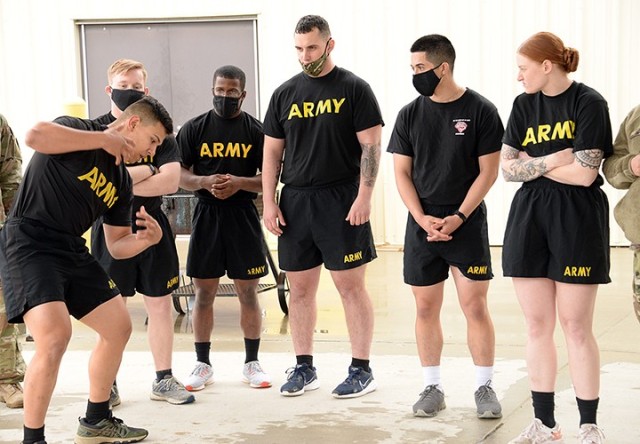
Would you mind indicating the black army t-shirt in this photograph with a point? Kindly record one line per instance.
(445, 141)
(67, 192)
(319, 117)
(213, 145)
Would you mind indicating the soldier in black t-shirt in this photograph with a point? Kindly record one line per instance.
(327, 124)
(221, 158)
(446, 147)
(154, 272)
(77, 175)
(556, 243)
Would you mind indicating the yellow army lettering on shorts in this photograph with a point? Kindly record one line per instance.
(99, 184)
(353, 257)
(311, 109)
(112, 284)
(173, 281)
(577, 271)
(253, 271)
(475, 269)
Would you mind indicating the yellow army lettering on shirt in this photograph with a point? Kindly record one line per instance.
(230, 149)
(99, 184)
(475, 269)
(353, 257)
(253, 271)
(313, 109)
(173, 281)
(546, 132)
(577, 271)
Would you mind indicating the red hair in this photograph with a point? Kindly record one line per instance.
(547, 46)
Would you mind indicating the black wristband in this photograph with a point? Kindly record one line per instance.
(153, 169)
(461, 215)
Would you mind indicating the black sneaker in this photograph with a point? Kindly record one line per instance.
(110, 430)
(358, 383)
(300, 378)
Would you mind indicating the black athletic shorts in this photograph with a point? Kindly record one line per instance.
(558, 231)
(317, 232)
(39, 265)
(427, 263)
(154, 272)
(227, 237)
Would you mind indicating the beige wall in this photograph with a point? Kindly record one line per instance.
(39, 58)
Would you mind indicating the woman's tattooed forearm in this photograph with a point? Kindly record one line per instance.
(370, 163)
(525, 170)
(590, 158)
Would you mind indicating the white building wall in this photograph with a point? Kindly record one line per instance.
(40, 62)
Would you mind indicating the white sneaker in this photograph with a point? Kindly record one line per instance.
(255, 376)
(538, 433)
(590, 434)
(200, 377)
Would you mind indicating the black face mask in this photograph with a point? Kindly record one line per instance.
(426, 82)
(225, 106)
(125, 97)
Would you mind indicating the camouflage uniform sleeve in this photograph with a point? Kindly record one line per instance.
(10, 167)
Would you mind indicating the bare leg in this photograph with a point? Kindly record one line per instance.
(206, 290)
(250, 312)
(160, 330)
(112, 323)
(303, 310)
(537, 298)
(357, 308)
(575, 311)
(480, 333)
(428, 327)
(51, 329)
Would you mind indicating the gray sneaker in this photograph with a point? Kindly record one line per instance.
(488, 406)
(114, 396)
(108, 430)
(170, 390)
(430, 403)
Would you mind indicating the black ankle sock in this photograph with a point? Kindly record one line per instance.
(97, 411)
(305, 359)
(543, 407)
(251, 347)
(363, 363)
(162, 373)
(32, 436)
(202, 352)
(588, 410)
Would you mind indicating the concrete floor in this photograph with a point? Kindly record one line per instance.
(231, 412)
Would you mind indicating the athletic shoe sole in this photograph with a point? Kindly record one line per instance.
(192, 388)
(314, 385)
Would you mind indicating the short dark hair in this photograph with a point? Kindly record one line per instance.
(437, 48)
(230, 72)
(307, 23)
(150, 111)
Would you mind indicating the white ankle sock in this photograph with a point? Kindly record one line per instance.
(431, 376)
(483, 375)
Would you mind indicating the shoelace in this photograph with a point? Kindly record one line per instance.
(352, 375)
(428, 392)
(296, 371)
(593, 434)
(199, 370)
(484, 393)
